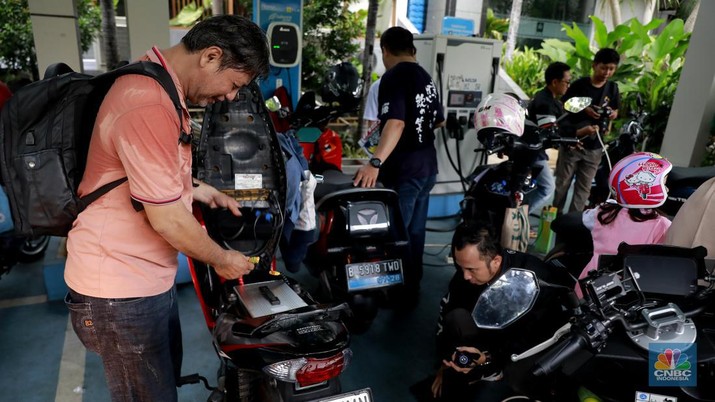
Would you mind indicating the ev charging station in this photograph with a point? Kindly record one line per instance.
(282, 20)
(465, 70)
(285, 44)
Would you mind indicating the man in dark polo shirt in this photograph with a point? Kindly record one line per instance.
(547, 102)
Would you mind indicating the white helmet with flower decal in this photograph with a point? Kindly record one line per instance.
(499, 113)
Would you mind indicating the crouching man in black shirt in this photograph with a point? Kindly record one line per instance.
(480, 260)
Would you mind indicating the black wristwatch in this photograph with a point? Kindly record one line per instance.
(375, 162)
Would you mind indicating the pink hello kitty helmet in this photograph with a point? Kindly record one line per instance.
(638, 180)
(499, 113)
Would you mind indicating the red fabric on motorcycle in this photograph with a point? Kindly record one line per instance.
(5, 93)
(308, 150)
(281, 124)
(328, 150)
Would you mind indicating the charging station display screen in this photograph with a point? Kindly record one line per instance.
(285, 44)
(456, 99)
(464, 98)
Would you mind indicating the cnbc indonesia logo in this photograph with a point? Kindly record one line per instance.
(673, 366)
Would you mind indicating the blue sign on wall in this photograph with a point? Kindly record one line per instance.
(416, 11)
(457, 26)
(265, 12)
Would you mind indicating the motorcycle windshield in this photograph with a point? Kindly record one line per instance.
(506, 300)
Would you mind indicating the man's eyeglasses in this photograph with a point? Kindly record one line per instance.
(567, 82)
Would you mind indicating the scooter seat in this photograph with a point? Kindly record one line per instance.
(334, 180)
(569, 229)
(693, 176)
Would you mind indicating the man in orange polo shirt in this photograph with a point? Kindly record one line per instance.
(121, 263)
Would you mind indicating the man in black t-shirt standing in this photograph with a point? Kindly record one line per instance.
(583, 161)
(547, 102)
(405, 159)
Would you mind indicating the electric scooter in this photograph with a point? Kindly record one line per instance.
(494, 188)
(274, 341)
(361, 245)
(642, 330)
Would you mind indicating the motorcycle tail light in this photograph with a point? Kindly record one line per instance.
(285, 370)
(319, 370)
(308, 371)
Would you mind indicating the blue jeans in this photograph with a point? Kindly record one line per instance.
(545, 186)
(138, 339)
(414, 201)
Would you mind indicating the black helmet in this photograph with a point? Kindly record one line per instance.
(342, 84)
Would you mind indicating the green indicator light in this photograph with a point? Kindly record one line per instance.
(276, 47)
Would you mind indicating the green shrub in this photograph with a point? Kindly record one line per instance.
(650, 65)
(329, 30)
(527, 68)
(190, 14)
(495, 27)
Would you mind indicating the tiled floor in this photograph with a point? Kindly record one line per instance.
(42, 360)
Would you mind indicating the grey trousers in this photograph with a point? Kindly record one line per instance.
(583, 165)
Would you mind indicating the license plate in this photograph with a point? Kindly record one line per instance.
(363, 395)
(376, 274)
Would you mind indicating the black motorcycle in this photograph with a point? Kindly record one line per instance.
(361, 244)
(274, 341)
(574, 244)
(642, 329)
(682, 182)
(494, 188)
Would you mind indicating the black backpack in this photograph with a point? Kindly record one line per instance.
(45, 129)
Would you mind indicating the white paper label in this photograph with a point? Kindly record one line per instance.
(248, 181)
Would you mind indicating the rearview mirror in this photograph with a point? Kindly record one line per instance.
(577, 104)
(506, 300)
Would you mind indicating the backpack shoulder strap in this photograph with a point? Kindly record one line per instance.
(606, 89)
(94, 195)
(57, 69)
(159, 73)
(153, 70)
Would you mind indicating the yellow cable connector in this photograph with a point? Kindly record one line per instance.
(254, 260)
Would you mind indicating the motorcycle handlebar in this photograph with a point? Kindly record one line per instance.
(559, 353)
(565, 140)
(496, 149)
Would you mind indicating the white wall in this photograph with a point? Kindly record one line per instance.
(693, 109)
(472, 10)
(56, 34)
(147, 23)
(629, 9)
